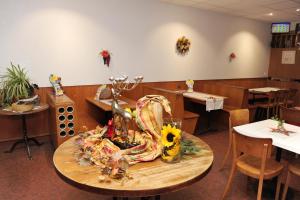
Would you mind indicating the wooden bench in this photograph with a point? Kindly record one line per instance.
(189, 119)
(237, 98)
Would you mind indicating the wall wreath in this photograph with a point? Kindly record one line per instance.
(183, 45)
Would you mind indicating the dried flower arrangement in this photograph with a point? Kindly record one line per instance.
(280, 127)
(106, 55)
(183, 45)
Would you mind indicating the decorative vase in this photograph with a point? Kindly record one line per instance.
(190, 85)
(170, 140)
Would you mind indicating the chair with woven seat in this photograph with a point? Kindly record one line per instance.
(293, 168)
(252, 157)
(236, 118)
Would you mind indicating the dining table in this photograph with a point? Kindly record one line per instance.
(42, 107)
(264, 90)
(210, 101)
(151, 178)
(265, 129)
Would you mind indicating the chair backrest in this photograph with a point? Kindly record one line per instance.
(257, 147)
(281, 97)
(292, 95)
(290, 115)
(238, 117)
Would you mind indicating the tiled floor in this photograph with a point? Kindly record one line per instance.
(36, 179)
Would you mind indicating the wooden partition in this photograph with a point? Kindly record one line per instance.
(88, 114)
(287, 71)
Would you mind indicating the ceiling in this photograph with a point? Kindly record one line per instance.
(282, 10)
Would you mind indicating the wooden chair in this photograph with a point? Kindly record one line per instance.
(251, 156)
(291, 116)
(291, 97)
(281, 97)
(267, 107)
(293, 168)
(236, 118)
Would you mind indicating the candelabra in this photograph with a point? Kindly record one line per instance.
(122, 117)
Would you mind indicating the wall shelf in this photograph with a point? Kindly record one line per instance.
(284, 40)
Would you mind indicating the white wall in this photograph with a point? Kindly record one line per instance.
(65, 36)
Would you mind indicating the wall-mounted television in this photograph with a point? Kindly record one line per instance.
(281, 27)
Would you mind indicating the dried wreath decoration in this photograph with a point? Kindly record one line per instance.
(183, 45)
(106, 57)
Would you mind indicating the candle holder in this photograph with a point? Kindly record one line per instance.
(121, 117)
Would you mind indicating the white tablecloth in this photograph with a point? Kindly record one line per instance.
(264, 89)
(262, 129)
(213, 102)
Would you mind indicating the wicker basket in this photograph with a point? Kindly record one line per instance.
(21, 107)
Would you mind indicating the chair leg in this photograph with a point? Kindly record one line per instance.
(286, 185)
(278, 187)
(260, 187)
(229, 182)
(228, 151)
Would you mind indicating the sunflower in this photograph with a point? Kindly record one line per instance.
(175, 150)
(170, 135)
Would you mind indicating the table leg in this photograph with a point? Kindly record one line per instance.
(14, 146)
(24, 140)
(35, 141)
(209, 127)
(25, 137)
(278, 154)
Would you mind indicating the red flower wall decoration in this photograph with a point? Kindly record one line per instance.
(106, 57)
(232, 56)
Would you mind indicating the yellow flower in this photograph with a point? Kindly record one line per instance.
(189, 81)
(175, 150)
(128, 110)
(169, 135)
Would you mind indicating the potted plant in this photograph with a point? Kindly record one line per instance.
(15, 87)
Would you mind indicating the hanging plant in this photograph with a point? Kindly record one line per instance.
(106, 57)
(183, 45)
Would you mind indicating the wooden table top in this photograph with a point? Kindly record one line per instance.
(264, 90)
(36, 109)
(106, 107)
(149, 178)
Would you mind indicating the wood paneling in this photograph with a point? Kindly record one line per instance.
(88, 114)
(278, 70)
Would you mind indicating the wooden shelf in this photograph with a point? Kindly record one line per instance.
(284, 40)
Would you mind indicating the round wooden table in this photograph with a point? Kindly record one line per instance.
(149, 178)
(25, 139)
